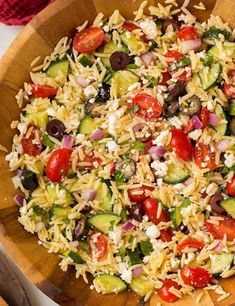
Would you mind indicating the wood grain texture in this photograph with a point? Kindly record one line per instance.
(39, 38)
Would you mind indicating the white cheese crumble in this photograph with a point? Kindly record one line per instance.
(113, 120)
(134, 86)
(195, 134)
(153, 232)
(159, 167)
(229, 160)
(211, 189)
(174, 262)
(149, 28)
(51, 112)
(22, 128)
(162, 138)
(112, 146)
(116, 235)
(79, 138)
(191, 257)
(176, 122)
(126, 274)
(90, 91)
(106, 28)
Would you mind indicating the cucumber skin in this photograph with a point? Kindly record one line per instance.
(141, 286)
(220, 261)
(220, 128)
(57, 66)
(87, 125)
(107, 283)
(229, 206)
(206, 87)
(99, 222)
(172, 178)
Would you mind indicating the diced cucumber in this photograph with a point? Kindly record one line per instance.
(107, 283)
(39, 165)
(53, 197)
(59, 211)
(209, 78)
(220, 127)
(220, 261)
(104, 222)
(122, 80)
(39, 211)
(109, 49)
(74, 256)
(121, 252)
(146, 247)
(57, 67)
(47, 142)
(214, 33)
(175, 174)
(176, 217)
(141, 286)
(40, 119)
(104, 197)
(229, 206)
(228, 51)
(83, 245)
(87, 125)
(232, 108)
(134, 44)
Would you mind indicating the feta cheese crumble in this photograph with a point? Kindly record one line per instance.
(153, 232)
(229, 160)
(149, 28)
(162, 138)
(160, 168)
(195, 134)
(90, 91)
(112, 146)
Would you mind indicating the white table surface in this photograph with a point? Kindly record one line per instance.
(36, 297)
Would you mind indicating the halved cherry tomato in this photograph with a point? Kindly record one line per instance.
(88, 39)
(89, 161)
(195, 276)
(175, 56)
(166, 235)
(150, 208)
(187, 33)
(131, 27)
(181, 144)
(149, 107)
(58, 164)
(165, 78)
(204, 157)
(187, 245)
(43, 91)
(148, 145)
(112, 168)
(98, 245)
(32, 143)
(230, 187)
(138, 194)
(204, 116)
(229, 89)
(189, 127)
(223, 227)
(164, 292)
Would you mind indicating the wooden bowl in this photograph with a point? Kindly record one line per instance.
(39, 38)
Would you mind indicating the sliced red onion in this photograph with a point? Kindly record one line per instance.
(97, 135)
(192, 44)
(137, 272)
(156, 152)
(127, 226)
(213, 119)
(188, 182)
(82, 82)
(67, 141)
(147, 58)
(222, 145)
(79, 228)
(19, 199)
(89, 194)
(219, 246)
(214, 203)
(196, 122)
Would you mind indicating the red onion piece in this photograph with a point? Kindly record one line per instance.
(214, 203)
(67, 141)
(196, 122)
(147, 58)
(137, 272)
(188, 181)
(19, 199)
(82, 82)
(222, 145)
(79, 228)
(97, 135)
(219, 246)
(127, 226)
(213, 119)
(156, 152)
(89, 194)
(192, 44)
(146, 132)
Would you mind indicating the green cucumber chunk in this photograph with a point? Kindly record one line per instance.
(228, 50)
(59, 211)
(214, 33)
(109, 49)
(146, 247)
(47, 142)
(104, 222)
(87, 126)
(85, 61)
(122, 80)
(133, 43)
(176, 174)
(175, 214)
(221, 128)
(74, 256)
(232, 108)
(53, 197)
(219, 262)
(57, 67)
(229, 206)
(104, 197)
(107, 283)
(210, 78)
(141, 286)
(40, 119)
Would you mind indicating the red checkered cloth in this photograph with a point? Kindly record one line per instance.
(15, 12)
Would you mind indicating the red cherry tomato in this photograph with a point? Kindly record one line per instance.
(89, 161)
(223, 227)
(187, 33)
(112, 168)
(43, 91)
(150, 208)
(204, 116)
(98, 245)
(204, 157)
(165, 78)
(88, 39)
(164, 292)
(195, 276)
(230, 187)
(229, 89)
(148, 106)
(189, 127)
(131, 27)
(175, 56)
(148, 145)
(32, 143)
(181, 144)
(166, 235)
(187, 245)
(58, 164)
(138, 194)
